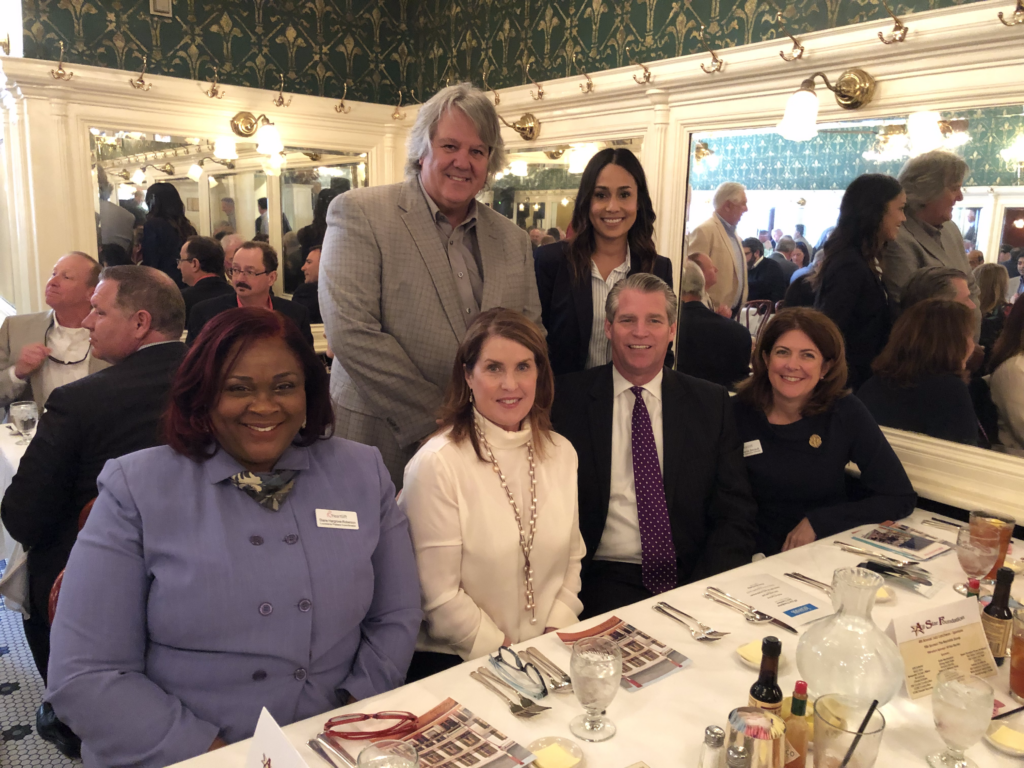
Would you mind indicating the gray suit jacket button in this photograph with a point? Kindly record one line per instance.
(266, 609)
(255, 540)
(305, 605)
(291, 538)
(300, 674)
(258, 675)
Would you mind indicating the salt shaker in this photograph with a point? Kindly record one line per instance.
(737, 757)
(713, 751)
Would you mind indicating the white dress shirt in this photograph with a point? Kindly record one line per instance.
(466, 540)
(1007, 384)
(65, 344)
(621, 538)
(600, 350)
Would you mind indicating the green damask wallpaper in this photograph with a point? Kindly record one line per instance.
(833, 160)
(377, 47)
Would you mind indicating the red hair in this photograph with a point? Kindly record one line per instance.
(197, 386)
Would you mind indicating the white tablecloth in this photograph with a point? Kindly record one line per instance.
(664, 725)
(10, 455)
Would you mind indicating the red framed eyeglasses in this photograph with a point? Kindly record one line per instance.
(406, 723)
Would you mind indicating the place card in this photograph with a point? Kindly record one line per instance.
(942, 637)
(780, 599)
(270, 748)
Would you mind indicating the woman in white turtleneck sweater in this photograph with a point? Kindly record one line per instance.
(465, 530)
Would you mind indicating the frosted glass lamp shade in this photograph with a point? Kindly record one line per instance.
(799, 123)
(268, 140)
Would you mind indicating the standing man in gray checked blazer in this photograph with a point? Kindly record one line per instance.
(406, 268)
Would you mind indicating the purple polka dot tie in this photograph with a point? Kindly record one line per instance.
(659, 553)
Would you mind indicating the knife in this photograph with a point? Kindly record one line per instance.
(898, 562)
(892, 570)
(761, 614)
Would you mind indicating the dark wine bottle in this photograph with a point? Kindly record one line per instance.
(766, 693)
(997, 619)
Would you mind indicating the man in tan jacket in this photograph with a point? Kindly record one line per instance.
(718, 239)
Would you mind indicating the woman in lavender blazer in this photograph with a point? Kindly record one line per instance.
(248, 564)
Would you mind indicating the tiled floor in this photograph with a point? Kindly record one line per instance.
(21, 691)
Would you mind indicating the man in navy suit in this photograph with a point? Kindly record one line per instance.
(709, 346)
(663, 494)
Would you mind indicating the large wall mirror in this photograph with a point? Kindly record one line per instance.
(793, 186)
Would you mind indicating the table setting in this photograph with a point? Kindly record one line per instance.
(700, 630)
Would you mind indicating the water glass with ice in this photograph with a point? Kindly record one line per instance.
(388, 753)
(962, 708)
(596, 671)
(25, 417)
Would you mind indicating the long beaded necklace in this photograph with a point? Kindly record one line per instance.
(525, 540)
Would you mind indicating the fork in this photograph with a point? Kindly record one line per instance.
(750, 616)
(558, 681)
(827, 589)
(515, 708)
(697, 634)
(712, 633)
(527, 703)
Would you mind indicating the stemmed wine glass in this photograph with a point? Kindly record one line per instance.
(977, 554)
(25, 416)
(596, 671)
(962, 707)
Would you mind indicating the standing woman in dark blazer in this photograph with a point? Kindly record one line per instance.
(613, 224)
(165, 231)
(848, 285)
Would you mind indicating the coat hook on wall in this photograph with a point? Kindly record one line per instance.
(647, 73)
(716, 63)
(280, 101)
(60, 73)
(526, 126)
(139, 83)
(798, 50)
(589, 86)
(341, 108)
(1018, 16)
(899, 30)
(497, 98)
(412, 95)
(215, 91)
(540, 88)
(398, 114)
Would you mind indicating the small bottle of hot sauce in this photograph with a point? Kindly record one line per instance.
(796, 728)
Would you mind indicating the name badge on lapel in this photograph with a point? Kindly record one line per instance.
(334, 518)
(752, 448)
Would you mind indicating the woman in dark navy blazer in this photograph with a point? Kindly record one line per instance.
(848, 283)
(613, 224)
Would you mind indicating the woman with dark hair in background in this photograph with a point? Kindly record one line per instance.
(920, 381)
(993, 283)
(848, 284)
(800, 428)
(165, 231)
(312, 235)
(613, 227)
(1007, 381)
(805, 260)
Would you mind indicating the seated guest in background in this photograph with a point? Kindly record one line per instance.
(306, 293)
(920, 383)
(135, 325)
(801, 256)
(253, 273)
(211, 580)
(718, 239)
(1020, 271)
(800, 428)
(495, 449)
(44, 350)
(975, 259)
(937, 283)
(765, 277)
(800, 292)
(765, 238)
(663, 497)
(783, 256)
(614, 222)
(848, 283)
(555, 232)
(230, 243)
(113, 255)
(202, 269)
(1007, 381)
(709, 346)
(929, 238)
(992, 282)
(710, 271)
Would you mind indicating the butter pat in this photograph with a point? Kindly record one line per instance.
(555, 756)
(1010, 738)
(751, 652)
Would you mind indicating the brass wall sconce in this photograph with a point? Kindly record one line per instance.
(589, 87)
(215, 91)
(5, 45)
(716, 63)
(540, 88)
(526, 126)
(853, 90)
(139, 83)
(647, 73)
(341, 108)
(702, 151)
(899, 30)
(1018, 16)
(279, 101)
(398, 114)
(245, 124)
(556, 153)
(60, 73)
(798, 50)
(165, 168)
(123, 174)
(497, 98)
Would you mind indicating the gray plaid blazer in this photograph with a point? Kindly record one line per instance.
(392, 313)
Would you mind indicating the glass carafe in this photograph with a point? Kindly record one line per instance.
(847, 653)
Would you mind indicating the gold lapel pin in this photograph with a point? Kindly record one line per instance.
(815, 441)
